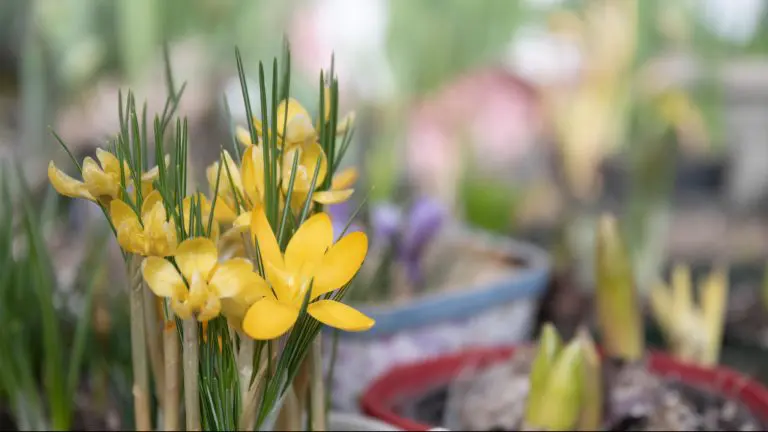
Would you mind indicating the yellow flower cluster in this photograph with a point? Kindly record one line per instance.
(205, 276)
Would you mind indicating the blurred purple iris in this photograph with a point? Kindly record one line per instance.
(340, 214)
(407, 234)
(425, 219)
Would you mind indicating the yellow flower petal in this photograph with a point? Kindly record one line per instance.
(332, 196)
(210, 309)
(146, 188)
(149, 202)
(309, 243)
(231, 244)
(205, 212)
(340, 264)
(345, 124)
(268, 319)
(243, 222)
(154, 172)
(181, 308)
(230, 277)
(223, 212)
(252, 169)
(229, 173)
(243, 136)
(265, 238)
(345, 179)
(99, 183)
(129, 231)
(196, 255)
(66, 185)
(310, 155)
(110, 164)
(160, 232)
(235, 308)
(161, 277)
(298, 126)
(340, 316)
(199, 292)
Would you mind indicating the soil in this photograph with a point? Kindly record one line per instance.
(493, 399)
(747, 319)
(564, 305)
(456, 262)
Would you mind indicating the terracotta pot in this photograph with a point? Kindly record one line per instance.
(410, 381)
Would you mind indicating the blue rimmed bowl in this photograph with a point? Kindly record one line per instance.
(495, 311)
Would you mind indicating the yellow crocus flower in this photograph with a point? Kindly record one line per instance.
(152, 234)
(294, 124)
(101, 181)
(248, 182)
(308, 157)
(205, 212)
(230, 177)
(203, 282)
(311, 259)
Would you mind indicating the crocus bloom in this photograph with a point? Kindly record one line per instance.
(410, 233)
(308, 158)
(294, 126)
(101, 181)
(425, 219)
(311, 261)
(151, 235)
(205, 212)
(248, 182)
(386, 219)
(230, 184)
(208, 280)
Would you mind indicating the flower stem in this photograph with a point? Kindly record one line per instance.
(251, 399)
(317, 386)
(154, 341)
(139, 348)
(245, 364)
(171, 388)
(191, 390)
(289, 418)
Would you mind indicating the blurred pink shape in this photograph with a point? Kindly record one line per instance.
(492, 110)
(309, 50)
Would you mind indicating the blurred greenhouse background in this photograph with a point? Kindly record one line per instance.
(522, 118)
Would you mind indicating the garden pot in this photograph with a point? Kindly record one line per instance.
(387, 396)
(498, 311)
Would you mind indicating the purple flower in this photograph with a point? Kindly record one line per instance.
(425, 219)
(340, 214)
(386, 219)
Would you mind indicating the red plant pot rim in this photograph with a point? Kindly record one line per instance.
(405, 381)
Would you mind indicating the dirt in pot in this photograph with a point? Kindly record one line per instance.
(459, 262)
(564, 304)
(493, 399)
(747, 321)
